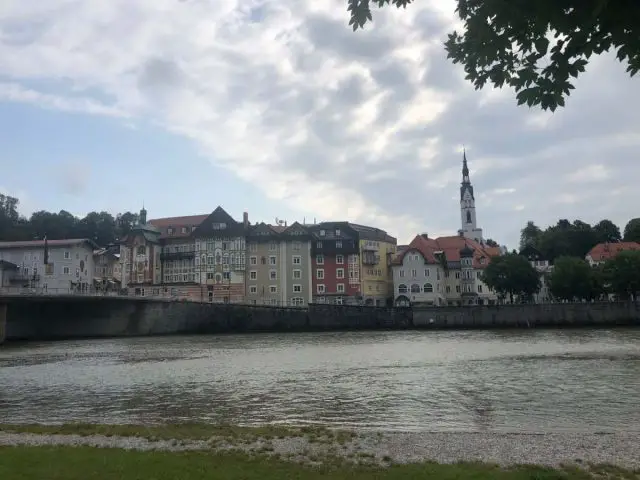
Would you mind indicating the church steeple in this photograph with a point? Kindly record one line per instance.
(468, 205)
(465, 168)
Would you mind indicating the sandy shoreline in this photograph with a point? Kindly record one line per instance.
(620, 449)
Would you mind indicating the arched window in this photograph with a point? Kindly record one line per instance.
(218, 258)
(428, 288)
(468, 216)
(225, 259)
(415, 288)
(402, 288)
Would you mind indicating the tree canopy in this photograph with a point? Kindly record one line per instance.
(632, 230)
(101, 227)
(572, 278)
(573, 239)
(623, 273)
(511, 275)
(534, 47)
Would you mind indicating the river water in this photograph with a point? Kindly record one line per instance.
(502, 381)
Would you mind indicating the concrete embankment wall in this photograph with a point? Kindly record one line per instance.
(51, 318)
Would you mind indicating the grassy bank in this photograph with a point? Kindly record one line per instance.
(85, 463)
(230, 452)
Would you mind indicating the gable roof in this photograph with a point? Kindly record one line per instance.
(219, 216)
(431, 248)
(607, 251)
(190, 221)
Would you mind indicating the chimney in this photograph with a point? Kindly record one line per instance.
(245, 219)
(285, 223)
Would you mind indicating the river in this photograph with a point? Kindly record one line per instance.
(485, 381)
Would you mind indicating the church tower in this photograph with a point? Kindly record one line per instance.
(468, 206)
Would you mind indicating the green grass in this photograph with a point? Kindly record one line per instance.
(85, 463)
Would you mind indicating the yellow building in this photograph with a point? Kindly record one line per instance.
(377, 248)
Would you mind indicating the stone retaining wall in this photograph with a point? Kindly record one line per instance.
(69, 317)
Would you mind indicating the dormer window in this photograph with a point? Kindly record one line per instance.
(219, 226)
(337, 232)
(184, 230)
(322, 232)
(170, 231)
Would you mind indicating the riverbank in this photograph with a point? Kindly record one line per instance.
(202, 451)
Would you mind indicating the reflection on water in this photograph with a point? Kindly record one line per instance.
(474, 381)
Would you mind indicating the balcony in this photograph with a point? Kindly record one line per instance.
(370, 246)
(178, 254)
(370, 258)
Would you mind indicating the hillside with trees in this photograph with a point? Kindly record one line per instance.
(101, 227)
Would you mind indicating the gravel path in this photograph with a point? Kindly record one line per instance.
(505, 449)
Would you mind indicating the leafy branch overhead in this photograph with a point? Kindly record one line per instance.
(535, 47)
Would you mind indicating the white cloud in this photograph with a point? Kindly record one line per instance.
(285, 95)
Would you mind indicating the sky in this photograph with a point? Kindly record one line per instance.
(278, 108)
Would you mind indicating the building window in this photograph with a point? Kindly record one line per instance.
(297, 274)
(320, 274)
(457, 274)
(338, 243)
(479, 275)
(339, 259)
(183, 229)
(253, 247)
(297, 260)
(402, 288)
(479, 288)
(67, 255)
(415, 288)
(297, 301)
(273, 246)
(448, 289)
(401, 274)
(322, 232)
(297, 246)
(297, 289)
(210, 276)
(340, 273)
(340, 288)
(253, 260)
(338, 300)
(426, 272)
(66, 271)
(170, 231)
(457, 288)
(320, 288)
(272, 260)
(337, 232)
(273, 288)
(318, 244)
(48, 269)
(414, 273)
(253, 275)
(320, 259)
(428, 288)
(273, 275)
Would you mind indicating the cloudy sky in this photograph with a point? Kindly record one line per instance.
(278, 108)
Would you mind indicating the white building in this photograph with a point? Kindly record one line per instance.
(446, 270)
(70, 267)
(544, 269)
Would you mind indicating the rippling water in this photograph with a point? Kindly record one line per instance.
(541, 381)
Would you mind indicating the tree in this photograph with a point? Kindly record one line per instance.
(530, 235)
(632, 230)
(606, 231)
(572, 278)
(567, 239)
(623, 273)
(533, 47)
(512, 274)
(491, 243)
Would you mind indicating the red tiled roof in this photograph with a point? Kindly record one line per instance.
(177, 223)
(50, 243)
(450, 246)
(606, 251)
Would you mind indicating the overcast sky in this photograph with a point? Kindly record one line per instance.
(278, 108)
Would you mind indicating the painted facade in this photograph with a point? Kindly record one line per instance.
(376, 250)
(220, 257)
(140, 258)
(70, 266)
(279, 265)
